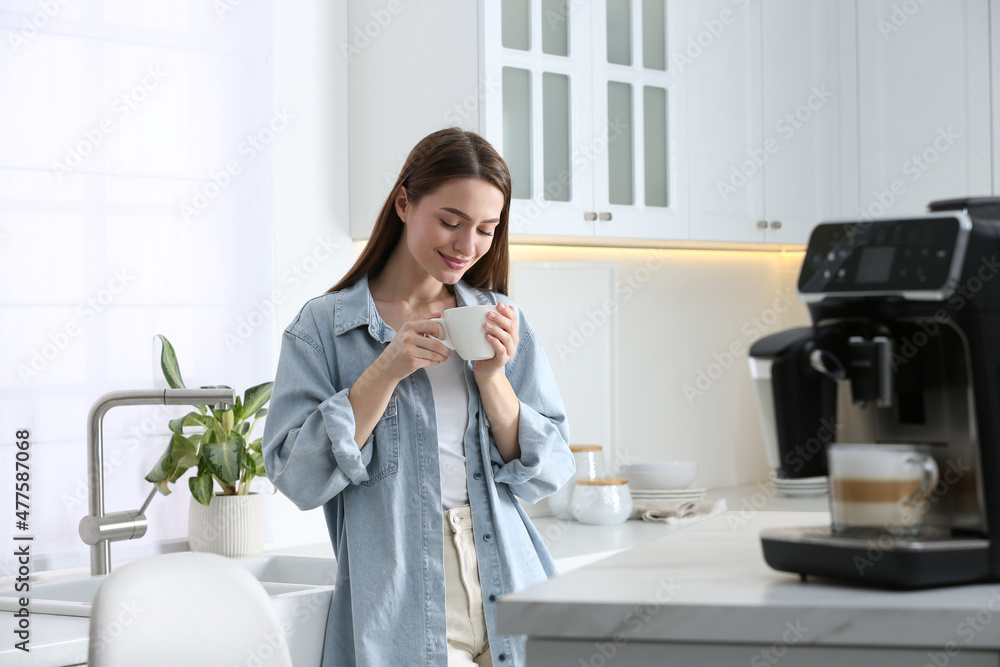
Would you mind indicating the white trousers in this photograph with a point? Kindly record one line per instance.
(468, 643)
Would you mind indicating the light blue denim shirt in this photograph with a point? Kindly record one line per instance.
(383, 502)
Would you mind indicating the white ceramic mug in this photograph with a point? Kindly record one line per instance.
(601, 501)
(464, 332)
(879, 487)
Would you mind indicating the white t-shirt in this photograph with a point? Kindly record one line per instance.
(451, 406)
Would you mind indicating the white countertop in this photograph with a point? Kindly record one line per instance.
(62, 640)
(709, 583)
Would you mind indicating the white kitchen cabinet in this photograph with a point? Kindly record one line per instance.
(589, 116)
(413, 68)
(771, 116)
(923, 103)
(765, 88)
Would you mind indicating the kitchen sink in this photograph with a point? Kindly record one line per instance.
(300, 588)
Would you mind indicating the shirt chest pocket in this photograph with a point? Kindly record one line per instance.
(385, 446)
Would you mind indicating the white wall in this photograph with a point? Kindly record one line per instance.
(681, 316)
(312, 248)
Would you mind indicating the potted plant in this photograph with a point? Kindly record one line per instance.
(218, 445)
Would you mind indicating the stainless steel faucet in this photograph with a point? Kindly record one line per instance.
(98, 529)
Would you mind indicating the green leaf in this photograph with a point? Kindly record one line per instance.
(166, 468)
(197, 419)
(208, 437)
(244, 428)
(187, 461)
(238, 410)
(258, 459)
(223, 460)
(256, 398)
(227, 421)
(257, 445)
(201, 486)
(247, 462)
(177, 425)
(168, 363)
(182, 445)
(260, 414)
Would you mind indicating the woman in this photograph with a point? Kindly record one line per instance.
(402, 442)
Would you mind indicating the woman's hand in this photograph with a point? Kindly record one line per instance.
(415, 346)
(501, 332)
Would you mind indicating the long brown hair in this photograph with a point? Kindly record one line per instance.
(436, 159)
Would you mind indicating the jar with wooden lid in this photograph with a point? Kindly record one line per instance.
(589, 465)
(601, 501)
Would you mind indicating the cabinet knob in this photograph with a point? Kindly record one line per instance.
(605, 215)
(776, 224)
(762, 224)
(589, 216)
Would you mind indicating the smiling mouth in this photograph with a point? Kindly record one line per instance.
(453, 262)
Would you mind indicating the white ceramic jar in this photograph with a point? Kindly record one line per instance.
(602, 501)
(589, 465)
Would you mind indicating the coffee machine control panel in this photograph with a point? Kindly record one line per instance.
(915, 258)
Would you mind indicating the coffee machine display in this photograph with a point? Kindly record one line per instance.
(902, 358)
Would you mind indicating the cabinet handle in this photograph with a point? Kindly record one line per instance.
(605, 215)
(589, 216)
(762, 224)
(776, 224)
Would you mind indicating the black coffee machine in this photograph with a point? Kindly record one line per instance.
(904, 348)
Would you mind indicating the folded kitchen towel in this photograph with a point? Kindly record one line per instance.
(679, 512)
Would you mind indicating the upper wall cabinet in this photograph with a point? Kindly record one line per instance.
(588, 113)
(923, 104)
(765, 91)
(689, 120)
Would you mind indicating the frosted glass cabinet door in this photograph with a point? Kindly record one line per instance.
(639, 186)
(537, 113)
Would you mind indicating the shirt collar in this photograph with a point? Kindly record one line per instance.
(356, 308)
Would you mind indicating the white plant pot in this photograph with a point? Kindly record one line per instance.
(230, 526)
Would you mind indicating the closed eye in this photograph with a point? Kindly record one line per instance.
(482, 232)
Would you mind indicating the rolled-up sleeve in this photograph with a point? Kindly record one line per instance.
(545, 463)
(309, 450)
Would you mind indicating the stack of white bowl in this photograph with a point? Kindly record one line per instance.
(662, 484)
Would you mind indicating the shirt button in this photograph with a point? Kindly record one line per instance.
(493, 598)
(487, 537)
(502, 657)
(477, 475)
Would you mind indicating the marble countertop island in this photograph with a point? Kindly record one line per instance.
(704, 595)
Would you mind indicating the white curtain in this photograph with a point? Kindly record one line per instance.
(135, 165)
